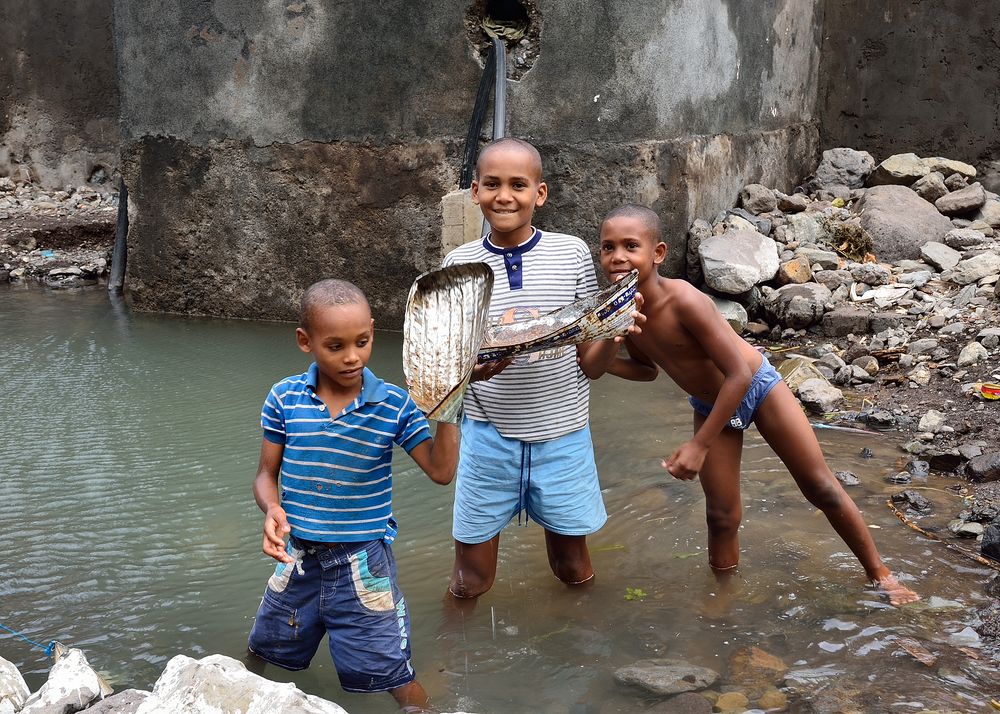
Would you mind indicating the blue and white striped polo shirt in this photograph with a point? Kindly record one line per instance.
(336, 475)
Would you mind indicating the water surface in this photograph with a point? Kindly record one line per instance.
(130, 442)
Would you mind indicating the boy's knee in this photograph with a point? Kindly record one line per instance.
(466, 587)
(723, 519)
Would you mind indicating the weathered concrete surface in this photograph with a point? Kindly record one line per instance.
(911, 76)
(274, 142)
(58, 91)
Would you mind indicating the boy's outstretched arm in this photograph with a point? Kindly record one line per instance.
(438, 457)
(698, 314)
(265, 492)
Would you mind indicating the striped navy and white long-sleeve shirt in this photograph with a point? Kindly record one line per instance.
(544, 395)
(336, 475)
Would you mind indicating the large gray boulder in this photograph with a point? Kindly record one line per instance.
(939, 255)
(949, 166)
(819, 396)
(13, 690)
(899, 222)
(757, 198)
(218, 683)
(71, 687)
(734, 262)
(843, 167)
(798, 306)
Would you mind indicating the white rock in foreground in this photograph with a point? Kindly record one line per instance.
(72, 686)
(219, 684)
(13, 690)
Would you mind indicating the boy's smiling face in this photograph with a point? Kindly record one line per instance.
(508, 189)
(626, 243)
(340, 340)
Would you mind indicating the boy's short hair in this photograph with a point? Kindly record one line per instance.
(326, 293)
(647, 215)
(511, 142)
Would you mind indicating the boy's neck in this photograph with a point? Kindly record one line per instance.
(512, 239)
(335, 396)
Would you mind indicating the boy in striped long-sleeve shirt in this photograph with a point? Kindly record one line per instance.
(328, 436)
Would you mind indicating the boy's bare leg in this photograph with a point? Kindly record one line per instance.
(411, 697)
(475, 568)
(720, 480)
(786, 429)
(569, 558)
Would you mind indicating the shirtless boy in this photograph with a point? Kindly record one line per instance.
(730, 385)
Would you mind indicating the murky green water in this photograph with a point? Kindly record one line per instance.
(129, 443)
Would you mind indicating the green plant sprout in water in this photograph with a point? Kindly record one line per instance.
(635, 594)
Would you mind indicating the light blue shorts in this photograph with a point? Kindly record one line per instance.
(764, 380)
(554, 482)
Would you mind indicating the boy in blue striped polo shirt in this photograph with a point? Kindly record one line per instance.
(328, 435)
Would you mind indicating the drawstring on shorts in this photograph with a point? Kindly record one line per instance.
(522, 487)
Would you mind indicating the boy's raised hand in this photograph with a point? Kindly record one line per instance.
(275, 529)
(686, 461)
(638, 320)
(488, 370)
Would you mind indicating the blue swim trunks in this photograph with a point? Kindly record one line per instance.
(765, 379)
(554, 482)
(349, 591)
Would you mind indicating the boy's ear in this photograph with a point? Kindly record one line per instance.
(475, 192)
(543, 193)
(302, 338)
(659, 253)
(372, 328)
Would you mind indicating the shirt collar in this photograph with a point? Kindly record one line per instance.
(373, 388)
(517, 250)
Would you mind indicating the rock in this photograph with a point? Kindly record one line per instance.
(880, 418)
(843, 321)
(932, 421)
(899, 222)
(797, 306)
(990, 547)
(974, 269)
(944, 460)
(930, 187)
(700, 231)
(753, 668)
(797, 370)
(731, 702)
(939, 255)
(12, 687)
(772, 700)
(757, 223)
(826, 259)
(949, 166)
(989, 337)
(989, 213)
(734, 262)
(920, 375)
(847, 478)
(969, 530)
(971, 354)
(734, 313)
(819, 396)
(795, 271)
(218, 683)
(831, 360)
(921, 469)
(962, 238)
(900, 477)
(868, 363)
(126, 702)
(881, 321)
(921, 346)
(899, 169)
(970, 451)
(72, 685)
(687, 703)
(666, 676)
(796, 203)
(966, 200)
(912, 500)
(833, 279)
(757, 198)
(872, 274)
(984, 468)
(805, 228)
(843, 167)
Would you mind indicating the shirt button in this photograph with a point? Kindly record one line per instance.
(322, 407)
(510, 255)
(513, 267)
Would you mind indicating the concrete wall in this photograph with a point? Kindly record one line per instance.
(268, 143)
(912, 75)
(58, 91)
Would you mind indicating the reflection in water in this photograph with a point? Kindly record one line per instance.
(130, 441)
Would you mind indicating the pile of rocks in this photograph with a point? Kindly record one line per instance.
(62, 238)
